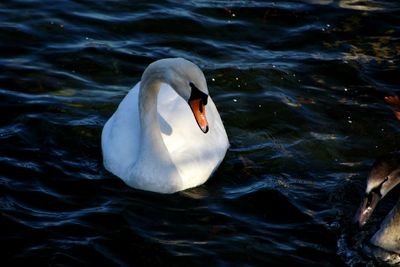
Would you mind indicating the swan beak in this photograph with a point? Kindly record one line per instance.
(367, 207)
(199, 112)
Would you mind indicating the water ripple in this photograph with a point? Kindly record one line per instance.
(299, 86)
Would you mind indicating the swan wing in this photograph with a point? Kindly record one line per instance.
(195, 154)
(120, 136)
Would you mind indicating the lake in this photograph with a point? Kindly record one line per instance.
(299, 86)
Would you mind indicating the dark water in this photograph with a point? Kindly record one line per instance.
(299, 86)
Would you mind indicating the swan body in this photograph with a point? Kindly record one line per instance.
(384, 176)
(166, 134)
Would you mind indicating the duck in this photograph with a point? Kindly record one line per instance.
(166, 134)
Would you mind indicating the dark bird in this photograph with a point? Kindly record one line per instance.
(384, 176)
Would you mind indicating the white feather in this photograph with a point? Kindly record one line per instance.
(188, 156)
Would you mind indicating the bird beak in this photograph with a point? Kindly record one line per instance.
(367, 207)
(199, 112)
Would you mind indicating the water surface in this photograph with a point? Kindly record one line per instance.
(299, 86)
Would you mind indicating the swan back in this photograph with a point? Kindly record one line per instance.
(388, 235)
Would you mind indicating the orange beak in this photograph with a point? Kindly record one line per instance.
(199, 112)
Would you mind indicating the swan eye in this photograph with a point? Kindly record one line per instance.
(377, 189)
(197, 94)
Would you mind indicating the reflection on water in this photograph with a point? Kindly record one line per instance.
(362, 5)
(359, 5)
(299, 86)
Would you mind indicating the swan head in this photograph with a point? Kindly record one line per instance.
(187, 79)
(384, 176)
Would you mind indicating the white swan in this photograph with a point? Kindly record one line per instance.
(159, 139)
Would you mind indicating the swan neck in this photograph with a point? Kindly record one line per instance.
(148, 109)
(152, 146)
